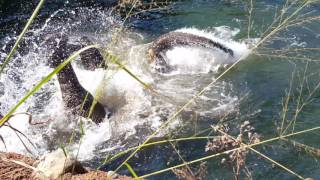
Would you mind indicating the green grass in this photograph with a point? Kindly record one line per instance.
(20, 37)
(42, 82)
(288, 16)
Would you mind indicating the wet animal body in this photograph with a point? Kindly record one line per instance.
(89, 59)
(73, 94)
(173, 39)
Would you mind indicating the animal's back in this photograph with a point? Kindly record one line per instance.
(172, 39)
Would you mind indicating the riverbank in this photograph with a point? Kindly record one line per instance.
(17, 166)
(276, 88)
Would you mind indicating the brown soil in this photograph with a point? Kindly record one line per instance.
(94, 175)
(13, 171)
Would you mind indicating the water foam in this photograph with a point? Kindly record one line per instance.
(135, 111)
(191, 60)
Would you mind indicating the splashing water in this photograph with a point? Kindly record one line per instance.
(193, 60)
(135, 111)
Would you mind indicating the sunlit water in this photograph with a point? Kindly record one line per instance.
(253, 90)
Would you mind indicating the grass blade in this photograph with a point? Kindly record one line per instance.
(131, 171)
(14, 48)
(43, 81)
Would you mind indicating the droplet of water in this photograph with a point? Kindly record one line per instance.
(1, 89)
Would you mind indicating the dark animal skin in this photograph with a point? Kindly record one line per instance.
(170, 40)
(73, 94)
(89, 59)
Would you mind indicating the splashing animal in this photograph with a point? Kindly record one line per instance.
(73, 94)
(166, 42)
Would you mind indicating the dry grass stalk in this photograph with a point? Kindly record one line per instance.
(302, 147)
(185, 173)
(237, 158)
(136, 7)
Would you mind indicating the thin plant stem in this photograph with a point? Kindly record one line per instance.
(229, 151)
(264, 156)
(25, 29)
(43, 81)
(171, 118)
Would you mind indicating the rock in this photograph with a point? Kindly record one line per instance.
(11, 170)
(55, 164)
(51, 166)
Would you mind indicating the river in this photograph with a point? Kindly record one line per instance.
(256, 90)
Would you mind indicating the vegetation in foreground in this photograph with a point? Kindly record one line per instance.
(233, 148)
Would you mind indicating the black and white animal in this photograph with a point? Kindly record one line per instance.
(73, 94)
(170, 40)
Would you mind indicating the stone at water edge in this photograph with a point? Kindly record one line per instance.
(55, 164)
(11, 170)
